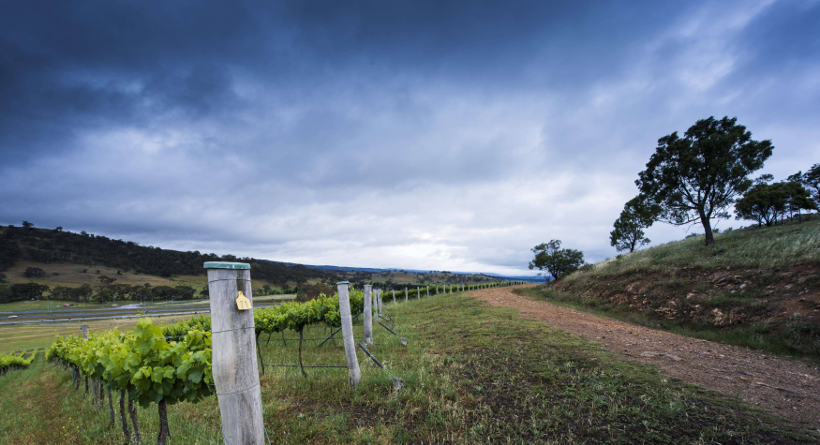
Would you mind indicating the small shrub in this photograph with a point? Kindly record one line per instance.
(802, 336)
(34, 272)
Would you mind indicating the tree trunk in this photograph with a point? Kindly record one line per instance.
(125, 430)
(707, 228)
(86, 385)
(259, 352)
(300, 354)
(111, 406)
(133, 414)
(285, 342)
(162, 409)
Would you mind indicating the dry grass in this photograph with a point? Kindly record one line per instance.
(764, 248)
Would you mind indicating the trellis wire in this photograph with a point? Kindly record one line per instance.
(306, 366)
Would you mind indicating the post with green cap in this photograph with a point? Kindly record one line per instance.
(347, 334)
(236, 377)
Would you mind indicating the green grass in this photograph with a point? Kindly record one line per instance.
(765, 248)
(473, 374)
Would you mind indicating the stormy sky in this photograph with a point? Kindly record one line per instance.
(444, 135)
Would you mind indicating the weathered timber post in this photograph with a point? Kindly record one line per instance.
(368, 315)
(353, 371)
(377, 300)
(436, 289)
(394, 295)
(234, 363)
(84, 329)
(418, 293)
(428, 291)
(405, 294)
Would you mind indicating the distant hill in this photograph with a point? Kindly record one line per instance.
(41, 261)
(56, 246)
(477, 276)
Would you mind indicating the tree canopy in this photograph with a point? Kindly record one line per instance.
(628, 228)
(810, 181)
(555, 260)
(769, 203)
(697, 177)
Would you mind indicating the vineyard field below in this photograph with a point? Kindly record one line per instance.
(472, 374)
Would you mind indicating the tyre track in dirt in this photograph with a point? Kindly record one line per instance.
(784, 387)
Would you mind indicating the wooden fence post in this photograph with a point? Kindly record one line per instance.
(84, 329)
(377, 294)
(428, 291)
(234, 363)
(405, 294)
(368, 315)
(418, 293)
(353, 371)
(394, 295)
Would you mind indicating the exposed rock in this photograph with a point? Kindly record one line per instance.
(718, 317)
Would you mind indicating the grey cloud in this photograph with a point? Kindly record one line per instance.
(437, 135)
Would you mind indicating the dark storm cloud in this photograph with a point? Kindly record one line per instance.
(67, 66)
(473, 129)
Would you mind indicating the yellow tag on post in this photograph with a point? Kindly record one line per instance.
(242, 302)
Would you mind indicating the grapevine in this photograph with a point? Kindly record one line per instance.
(12, 362)
(143, 364)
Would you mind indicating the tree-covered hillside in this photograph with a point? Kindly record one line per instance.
(57, 246)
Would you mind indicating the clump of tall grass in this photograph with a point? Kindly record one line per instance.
(757, 247)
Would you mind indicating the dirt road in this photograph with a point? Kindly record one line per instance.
(785, 387)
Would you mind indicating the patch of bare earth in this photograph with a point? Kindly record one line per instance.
(784, 387)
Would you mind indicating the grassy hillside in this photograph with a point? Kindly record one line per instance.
(757, 287)
(472, 374)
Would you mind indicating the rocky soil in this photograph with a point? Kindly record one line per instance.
(720, 296)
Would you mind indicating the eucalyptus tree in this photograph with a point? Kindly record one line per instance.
(695, 178)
